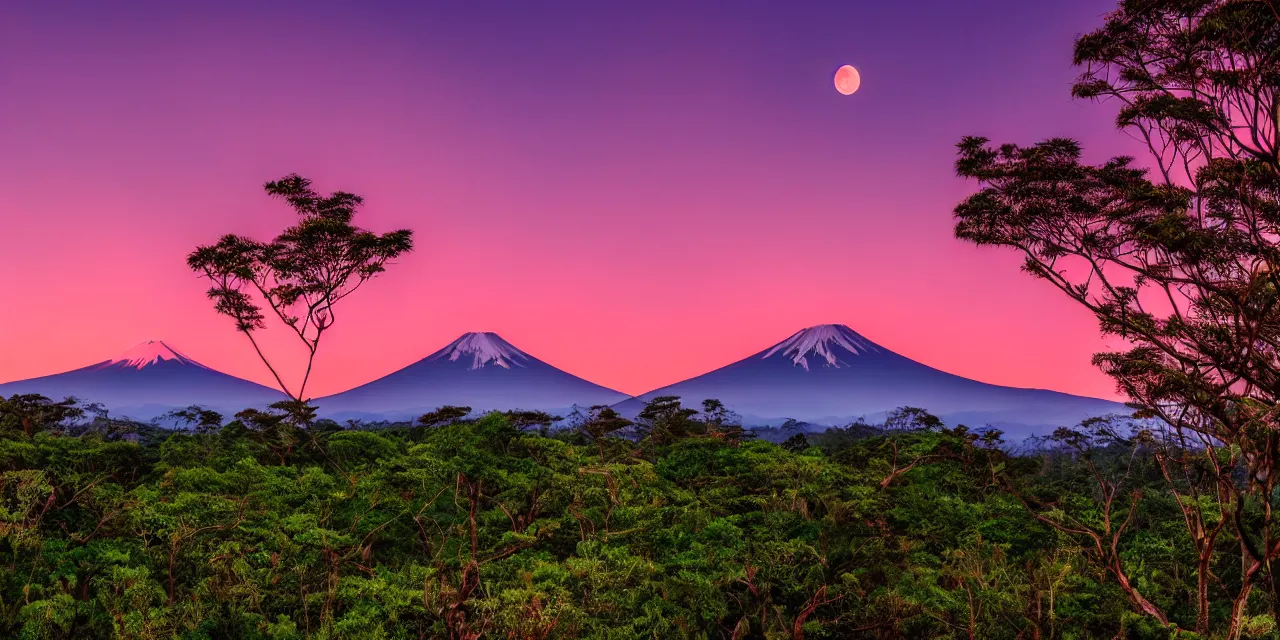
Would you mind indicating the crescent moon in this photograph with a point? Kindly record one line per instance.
(847, 80)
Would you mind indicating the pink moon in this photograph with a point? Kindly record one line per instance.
(847, 80)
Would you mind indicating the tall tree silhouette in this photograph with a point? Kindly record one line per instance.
(302, 274)
(1181, 260)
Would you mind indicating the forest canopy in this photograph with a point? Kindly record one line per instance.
(680, 526)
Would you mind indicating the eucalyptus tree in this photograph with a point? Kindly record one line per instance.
(301, 275)
(29, 414)
(1175, 254)
(599, 423)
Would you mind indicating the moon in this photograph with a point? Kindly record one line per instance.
(847, 80)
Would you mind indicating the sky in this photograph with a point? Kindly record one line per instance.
(635, 192)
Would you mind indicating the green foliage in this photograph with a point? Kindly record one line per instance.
(1176, 254)
(489, 528)
(29, 414)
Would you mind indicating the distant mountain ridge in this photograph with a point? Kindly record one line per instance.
(147, 381)
(829, 374)
(479, 370)
(825, 375)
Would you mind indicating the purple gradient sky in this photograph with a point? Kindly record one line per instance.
(636, 193)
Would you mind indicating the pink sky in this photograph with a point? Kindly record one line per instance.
(632, 211)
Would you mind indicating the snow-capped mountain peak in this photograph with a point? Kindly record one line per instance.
(822, 341)
(829, 375)
(478, 370)
(149, 353)
(484, 348)
(148, 381)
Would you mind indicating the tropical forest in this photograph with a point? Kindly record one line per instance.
(683, 519)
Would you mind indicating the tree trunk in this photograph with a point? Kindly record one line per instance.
(1202, 595)
(1138, 600)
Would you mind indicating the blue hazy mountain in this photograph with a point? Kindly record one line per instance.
(830, 375)
(479, 370)
(149, 380)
